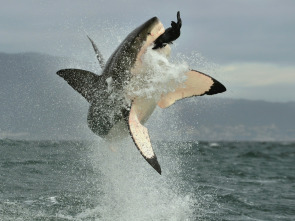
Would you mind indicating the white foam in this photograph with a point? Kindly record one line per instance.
(109, 82)
(53, 200)
(132, 190)
(157, 76)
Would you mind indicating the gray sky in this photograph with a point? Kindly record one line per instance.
(246, 44)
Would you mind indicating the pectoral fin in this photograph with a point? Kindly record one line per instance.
(141, 138)
(197, 84)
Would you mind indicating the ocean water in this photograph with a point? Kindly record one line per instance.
(79, 180)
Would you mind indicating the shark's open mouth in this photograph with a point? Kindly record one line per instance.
(156, 31)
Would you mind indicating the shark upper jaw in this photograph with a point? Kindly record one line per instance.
(127, 57)
(156, 31)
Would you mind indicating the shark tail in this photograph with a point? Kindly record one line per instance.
(86, 83)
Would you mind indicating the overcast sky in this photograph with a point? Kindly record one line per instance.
(249, 45)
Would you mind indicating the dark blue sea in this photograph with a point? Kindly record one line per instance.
(83, 180)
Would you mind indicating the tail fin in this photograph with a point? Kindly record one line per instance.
(86, 83)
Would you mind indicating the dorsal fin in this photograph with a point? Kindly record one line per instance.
(97, 53)
(85, 82)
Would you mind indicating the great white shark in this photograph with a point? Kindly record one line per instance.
(114, 110)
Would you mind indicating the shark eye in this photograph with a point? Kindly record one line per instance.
(149, 33)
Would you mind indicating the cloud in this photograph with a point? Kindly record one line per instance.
(258, 74)
(225, 31)
(248, 41)
(258, 81)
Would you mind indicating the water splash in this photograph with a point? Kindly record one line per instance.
(132, 190)
(157, 76)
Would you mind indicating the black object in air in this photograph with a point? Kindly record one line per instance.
(170, 34)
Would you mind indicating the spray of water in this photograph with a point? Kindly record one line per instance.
(132, 190)
(158, 76)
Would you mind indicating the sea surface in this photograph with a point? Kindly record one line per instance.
(92, 180)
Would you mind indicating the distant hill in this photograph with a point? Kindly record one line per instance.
(37, 104)
(209, 118)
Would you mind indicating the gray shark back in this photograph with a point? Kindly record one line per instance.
(102, 116)
(124, 57)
